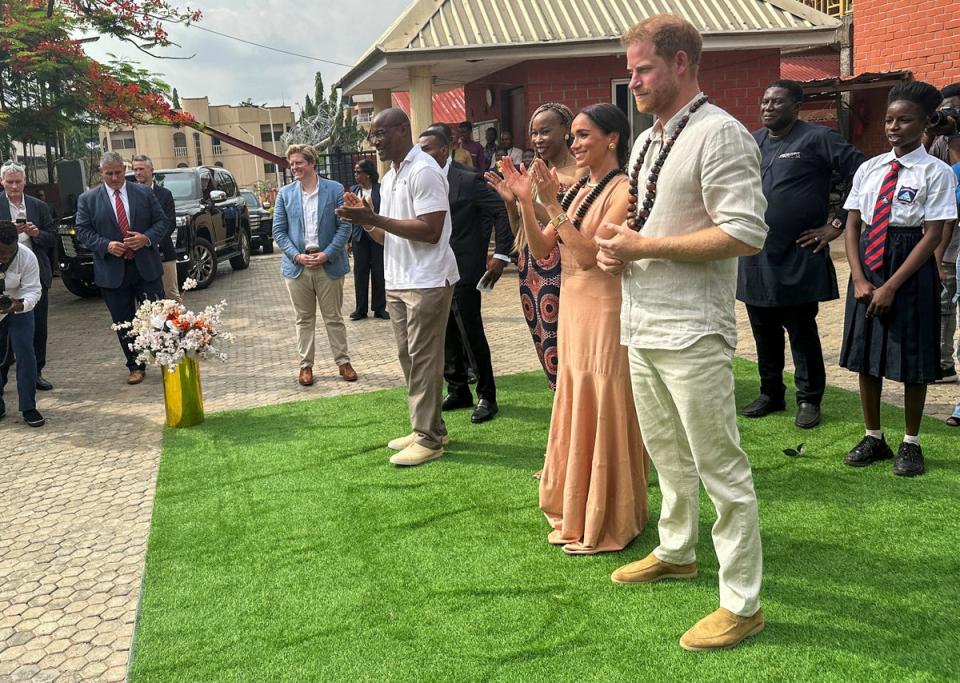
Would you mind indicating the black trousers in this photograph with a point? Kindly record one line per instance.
(39, 338)
(122, 302)
(800, 322)
(368, 268)
(466, 301)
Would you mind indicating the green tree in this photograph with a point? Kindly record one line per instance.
(176, 99)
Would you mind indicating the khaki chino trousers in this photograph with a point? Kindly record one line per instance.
(687, 414)
(313, 289)
(419, 318)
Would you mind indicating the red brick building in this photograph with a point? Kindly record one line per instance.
(511, 55)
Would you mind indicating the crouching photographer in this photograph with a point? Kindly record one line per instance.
(19, 293)
(942, 140)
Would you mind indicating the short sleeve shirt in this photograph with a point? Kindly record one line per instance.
(710, 178)
(417, 187)
(926, 189)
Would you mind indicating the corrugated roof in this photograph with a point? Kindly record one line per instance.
(463, 23)
(809, 67)
(448, 107)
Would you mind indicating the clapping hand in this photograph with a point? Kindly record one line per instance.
(355, 211)
(545, 179)
(518, 182)
(496, 183)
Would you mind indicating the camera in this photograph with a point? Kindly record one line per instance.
(946, 116)
(5, 302)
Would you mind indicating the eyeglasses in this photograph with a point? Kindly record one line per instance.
(379, 133)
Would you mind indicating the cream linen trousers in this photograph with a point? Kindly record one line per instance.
(687, 414)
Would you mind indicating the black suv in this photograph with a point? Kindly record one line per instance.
(261, 222)
(212, 224)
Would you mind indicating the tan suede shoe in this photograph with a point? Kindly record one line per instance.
(415, 454)
(720, 630)
(402, 442)
(651, 568)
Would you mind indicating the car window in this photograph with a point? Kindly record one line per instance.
(206, 183)
(224, 181)
(181, 185)
(250, 199)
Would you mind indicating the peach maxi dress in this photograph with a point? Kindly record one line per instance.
(594, 486)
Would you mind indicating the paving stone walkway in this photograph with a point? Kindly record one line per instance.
(76, 495)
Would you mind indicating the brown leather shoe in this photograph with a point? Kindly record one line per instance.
(348, 373)
(651, 568)
(136, 376)
(722, 629)
(306, 376)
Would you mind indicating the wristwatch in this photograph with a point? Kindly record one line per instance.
(836, 224)
(557, 220)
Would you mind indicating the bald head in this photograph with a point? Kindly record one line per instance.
(390, 135)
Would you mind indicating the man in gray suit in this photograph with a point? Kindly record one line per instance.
(122, 224)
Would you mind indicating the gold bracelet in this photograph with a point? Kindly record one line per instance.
(557, 220)
(366, 229)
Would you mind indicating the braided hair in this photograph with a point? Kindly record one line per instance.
(561, 111)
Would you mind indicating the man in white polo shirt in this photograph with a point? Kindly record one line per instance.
(419, 269)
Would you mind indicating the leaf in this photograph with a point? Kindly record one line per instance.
(794, 452)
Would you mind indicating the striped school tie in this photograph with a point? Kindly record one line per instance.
(873, 255)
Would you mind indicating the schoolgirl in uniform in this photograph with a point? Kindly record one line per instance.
(897, 207)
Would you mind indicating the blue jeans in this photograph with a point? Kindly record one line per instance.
(16, 334)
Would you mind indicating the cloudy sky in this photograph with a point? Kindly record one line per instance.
(229, 71)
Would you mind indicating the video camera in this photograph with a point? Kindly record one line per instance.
(945, 116)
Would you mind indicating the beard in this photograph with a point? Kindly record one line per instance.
(659, 99)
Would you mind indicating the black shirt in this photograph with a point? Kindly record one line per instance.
(796, 171)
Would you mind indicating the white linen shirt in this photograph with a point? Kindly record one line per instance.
(710, 178)
(419, 186)
(926, 189)
(22, 280)
(311, 228)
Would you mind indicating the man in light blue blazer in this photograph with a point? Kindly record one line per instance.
(313, 241)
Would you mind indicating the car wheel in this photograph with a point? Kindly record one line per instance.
(81, 288)
(242, 260)
(204, 268)
(267, 245)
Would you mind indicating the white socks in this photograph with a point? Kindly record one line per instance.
(875, 433)
(911, 439)
(878, 434)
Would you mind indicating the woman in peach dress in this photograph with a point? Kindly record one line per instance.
(594, 486)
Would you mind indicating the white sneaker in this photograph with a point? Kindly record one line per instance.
(402, 442)
(415, 454)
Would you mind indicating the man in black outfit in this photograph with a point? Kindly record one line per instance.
(784, 283)
(143, 172)
(38, 234)
(474, 210)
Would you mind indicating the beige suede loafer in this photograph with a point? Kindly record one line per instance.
(651, 568)
(415, 454)
(402, 442)
(721, 629)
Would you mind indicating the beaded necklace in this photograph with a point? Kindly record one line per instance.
(642, 211)
(568, 198)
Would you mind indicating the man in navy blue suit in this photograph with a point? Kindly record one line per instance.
(37, 233)
(143, 172)
(122, 224)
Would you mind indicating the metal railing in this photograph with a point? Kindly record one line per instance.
(180, 151)
(835, 8)
(217, 150)
(339, 166)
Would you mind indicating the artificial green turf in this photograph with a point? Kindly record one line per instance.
(285, 548)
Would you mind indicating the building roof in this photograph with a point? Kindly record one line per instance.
(464, 40)
(809, 67)
(448, 107)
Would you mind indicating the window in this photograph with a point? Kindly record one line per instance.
(181, 165)
(199, 149)
(623, 98)
(122, 140)
(224, 181)
(179, 145)
(218, 164)
(265, 133)
(217, 149)
(104, 146)
(269, 167)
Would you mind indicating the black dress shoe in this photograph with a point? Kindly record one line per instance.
(764, 405)
(33, 418)
(43, 385)
(383, 315)
(484, 411)
(909, 462)
(357, 316)
(868, 451)
(453, 402)
(808, 415)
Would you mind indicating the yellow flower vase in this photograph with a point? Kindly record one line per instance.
(182, 394)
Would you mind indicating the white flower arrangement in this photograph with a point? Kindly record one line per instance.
(164, 332)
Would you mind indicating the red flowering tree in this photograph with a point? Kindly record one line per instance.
(48, 84)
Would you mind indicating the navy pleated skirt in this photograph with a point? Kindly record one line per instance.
(904, 343)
